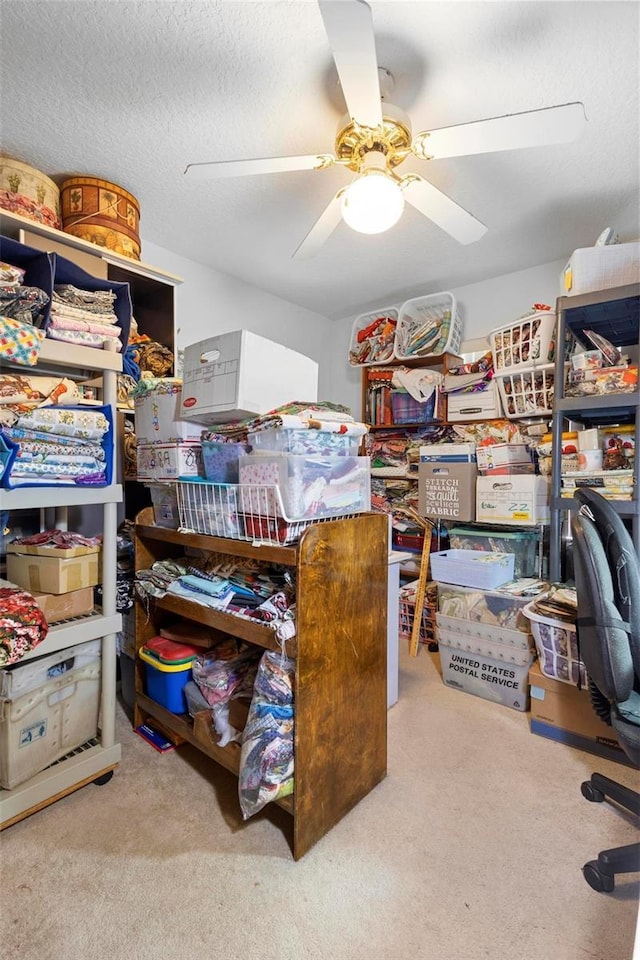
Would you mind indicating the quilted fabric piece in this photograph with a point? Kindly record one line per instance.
(22, 624)
(19, 342)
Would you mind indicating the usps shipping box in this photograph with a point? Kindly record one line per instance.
(239, 375)
(447, 490)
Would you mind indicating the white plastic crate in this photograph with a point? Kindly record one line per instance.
(376, 348)
(557, 645)
(472, 568)
(527, 393)
(597, 268)
(529, 342)
(428, 327)
(483, 675)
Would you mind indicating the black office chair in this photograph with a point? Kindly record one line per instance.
(607, 576)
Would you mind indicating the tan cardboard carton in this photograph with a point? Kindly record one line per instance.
(64, 606)
(447, 490)
(53, 574)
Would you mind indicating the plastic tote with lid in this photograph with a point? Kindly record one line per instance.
(167, 671)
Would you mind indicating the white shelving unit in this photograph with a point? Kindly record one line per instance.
(94, 761)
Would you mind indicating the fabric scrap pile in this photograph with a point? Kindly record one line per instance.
(266, 758)
(323, 415)
(222, 674)
(22, 623)
(85, 317)
(60, 445)
(22, 312)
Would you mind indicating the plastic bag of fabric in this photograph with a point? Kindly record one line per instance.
(266, 759)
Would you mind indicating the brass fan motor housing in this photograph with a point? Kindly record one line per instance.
(393, 139)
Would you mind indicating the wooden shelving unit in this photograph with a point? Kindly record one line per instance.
(340, 687)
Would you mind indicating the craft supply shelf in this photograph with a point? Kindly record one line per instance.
(340, 685)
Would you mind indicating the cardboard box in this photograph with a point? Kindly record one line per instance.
(157, 415)
(485, 405)
(517, 499)
(598, 268)
(448, 452)
(53, 574)
(167, 461)
(497, 455)
(238, 375)
(43, 551)
(559, 711)
(64, 606)
(447, 490)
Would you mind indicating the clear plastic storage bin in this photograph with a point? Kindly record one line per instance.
(302, 441)
(523, 544)
(311, 487)
(499, 608)
(221, 460)
(428, 327)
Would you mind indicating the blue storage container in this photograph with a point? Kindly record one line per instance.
(165, 682)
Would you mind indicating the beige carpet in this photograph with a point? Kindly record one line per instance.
(471, 848)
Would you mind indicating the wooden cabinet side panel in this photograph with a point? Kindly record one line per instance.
(341, 714)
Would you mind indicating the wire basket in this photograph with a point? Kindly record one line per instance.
(253, 512)
(407, 609)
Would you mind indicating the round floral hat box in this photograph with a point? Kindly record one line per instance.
(102, 213)
(28, 192)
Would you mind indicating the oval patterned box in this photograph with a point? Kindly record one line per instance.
(102, 213)
(29, 192)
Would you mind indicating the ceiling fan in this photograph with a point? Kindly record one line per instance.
(375, 137)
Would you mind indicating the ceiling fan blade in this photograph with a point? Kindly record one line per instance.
(245, 168)
(444, 212)
(535, 128)
(349, 27)
(322, 228)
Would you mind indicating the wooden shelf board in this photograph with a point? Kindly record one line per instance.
(236, 548)
(228, 757)
(254, 632)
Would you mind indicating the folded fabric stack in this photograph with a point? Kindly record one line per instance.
(20, 393)
(560, 603)
(322, 415)
(58, 445)
(19, 301)
(86, 317)
(472, 377)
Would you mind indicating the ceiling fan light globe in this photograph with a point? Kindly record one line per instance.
(373, 203)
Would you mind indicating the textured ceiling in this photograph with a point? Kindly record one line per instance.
(132, 92)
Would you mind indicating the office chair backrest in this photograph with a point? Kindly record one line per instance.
(602, 632)
(624, 564)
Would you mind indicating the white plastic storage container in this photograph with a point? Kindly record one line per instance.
(557, 645)
(49, 712)
(528, 393)
(500, 608)
(598, 268)
(470, 635)
(373, 337)
(428, 327)
(240, 374)
(529, 342)
(472, 568)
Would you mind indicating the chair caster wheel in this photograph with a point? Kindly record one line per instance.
(589, 792)
(598, 881)
(100, 781)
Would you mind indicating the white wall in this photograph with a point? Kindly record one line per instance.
(483, 306)
(210, 302)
